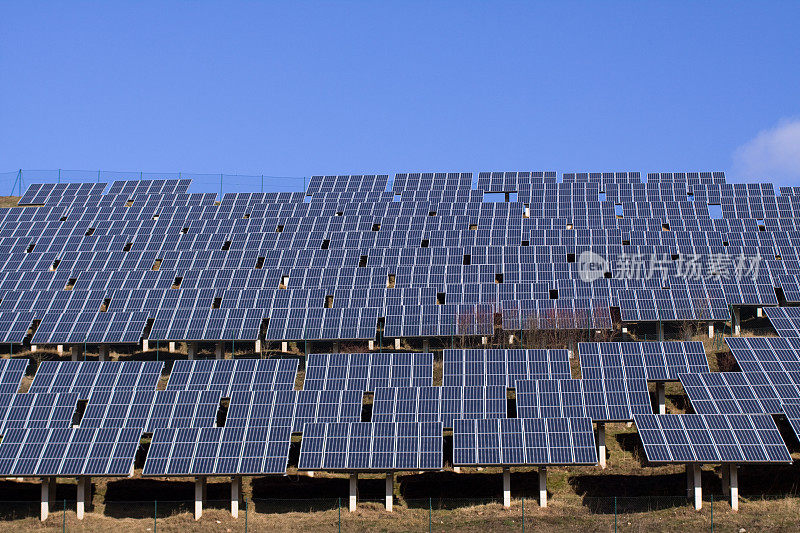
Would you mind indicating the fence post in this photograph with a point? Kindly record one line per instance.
(615, 514)
(430, 506)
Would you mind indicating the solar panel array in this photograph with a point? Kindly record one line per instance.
(294, 409)
(418, 254)
(739, 392)
(438, 404)
(230, 375)
(711, 439)
(653, 361)
(84, 377)
(495, 367)
(602, 400)
(367, 371)
(36, 410)
(378, 446)
(11, 373)
(150, 409)
(771, 356)
(785, 320)
(69, 452)
(524, 441)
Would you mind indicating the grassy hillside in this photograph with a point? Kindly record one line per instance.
(9, 201)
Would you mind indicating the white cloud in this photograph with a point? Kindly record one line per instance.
(773, 154)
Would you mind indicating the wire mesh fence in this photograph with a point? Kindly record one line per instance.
(15, 183)
(655, 513)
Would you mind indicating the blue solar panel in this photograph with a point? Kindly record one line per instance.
(653, 361)
(84, 377)
(438, 404)
(368, 371)
(381, 446)
(230, 375)
(496, 367)
(529, 441)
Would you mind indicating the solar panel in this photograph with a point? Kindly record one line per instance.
(438, 404)
(602, 400)
(738, 392)
(294, 409)
(230, 375)
(36, 410)
(785, 320)
(367, 371)
(84, 377)
(711, 439)
(69, 452)
(653, 361)
(11, 373)
(494, 367)
(766, 355)
(151, 409)
(379, 446)
(528, 441)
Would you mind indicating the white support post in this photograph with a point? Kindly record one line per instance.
(34, 348)
(601, 444)
(310, 473)
(624, 329)
(759, 312)
(60, 349)
(389, 491)
(710, 330)
(457, 469)
(370, 344)
(191, 349)
(74, 352)
(353, 494)
(484, 340)
(506, 487)
(284, 347)
(737, 321)
(336, 347)
(571, 349)
(662, 397)
(698, 489)
(199, 488)
(511, 340)
(426, 345)
(83, 484)
(103, 352)
(733, 479)
(660, 331)
(258, 346)
(145, 345)
(542, 486)
(171, 346)
(397, 344)
(236, 494)
(45, 510)
(219, 352)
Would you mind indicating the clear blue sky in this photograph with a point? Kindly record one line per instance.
(295, 89)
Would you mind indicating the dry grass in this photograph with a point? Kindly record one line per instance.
(9, 201)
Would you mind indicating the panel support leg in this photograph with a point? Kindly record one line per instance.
(689, 480)
(336, 347)
(284, 347)
(199, 488)
(389, 491)
(698, 489)
(219, 352)
(733, 477)
(83, 485)
(511, 340)
(60, 349)
(34, 348)
(506, 487)
(484, 340)
(710, 330)
(74, 352)
(737, 321)
(759, 312)
(236, 494)
(45, 510)
(103, 352)
(397, 344)
(53, 485)
(661, 331)
(353, 493)
(662, 397)
(145, 345)
(191, 349)
(457, 469)
(371, 344)
(601, 444)
(171, 346)
(726, 478)
(258, 346)
(542, 486)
